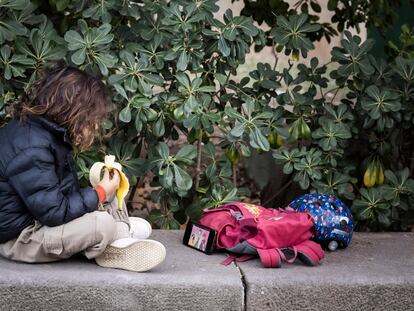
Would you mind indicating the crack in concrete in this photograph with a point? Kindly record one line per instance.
(244, 284)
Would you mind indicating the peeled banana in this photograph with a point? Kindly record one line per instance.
(110, 164)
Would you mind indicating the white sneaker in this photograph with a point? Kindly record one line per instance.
(132, 254)
(140, 228)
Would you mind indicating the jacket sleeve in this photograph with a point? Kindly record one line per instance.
(33, 176)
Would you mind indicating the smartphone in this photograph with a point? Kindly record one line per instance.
(200, 237)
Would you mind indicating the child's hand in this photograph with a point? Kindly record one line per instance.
(110, 182)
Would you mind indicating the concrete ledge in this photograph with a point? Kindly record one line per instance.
(375, 273)
(187, 280)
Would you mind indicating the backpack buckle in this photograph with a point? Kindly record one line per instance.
(237, 215)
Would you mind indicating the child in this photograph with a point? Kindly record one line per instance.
(44, 215)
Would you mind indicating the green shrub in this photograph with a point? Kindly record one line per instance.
(172, 68)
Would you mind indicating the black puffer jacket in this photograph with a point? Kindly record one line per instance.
(38, 180)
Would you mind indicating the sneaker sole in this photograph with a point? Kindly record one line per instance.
(138, 257)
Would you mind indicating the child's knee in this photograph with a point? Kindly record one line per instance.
(105, 227)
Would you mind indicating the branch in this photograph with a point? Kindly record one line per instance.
(290, 67)
(274, 53)
(336, 92)
(222, 87)
(198, 168)
(322, 94)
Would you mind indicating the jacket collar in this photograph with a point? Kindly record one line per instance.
(51, 127)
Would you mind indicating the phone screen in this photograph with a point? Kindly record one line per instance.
(198, 237)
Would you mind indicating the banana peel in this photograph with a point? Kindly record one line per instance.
(110, 164)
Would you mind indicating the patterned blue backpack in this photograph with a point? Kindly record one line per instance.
(333, 219)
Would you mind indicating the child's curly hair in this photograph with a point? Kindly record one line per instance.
(69, 97)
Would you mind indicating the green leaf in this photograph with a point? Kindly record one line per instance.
(353, 56)
(246, 25)
(292, 33)
(121, 91)
(128, 58)
(268, 84)
(238, 130)
(187, 152)
(153, 79)
(182, 179)
(384, 220)
(14, 4)
(125, 115)
(79, 57)
(74, 39)
(330, 134)
(221, 78)
(163, 150)
(167, 177)
(207, 89)
(62, 4)
(223, 47)
(14, 65)
(182, 61)
(332, 4)
(105, 61)
(159, 128)
(258, 140)
(380, 102)
(183, 79)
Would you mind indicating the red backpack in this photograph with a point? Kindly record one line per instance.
(275, 235)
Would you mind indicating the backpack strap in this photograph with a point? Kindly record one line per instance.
(290, 253)
(310, 253)
(244, 258)
(229, 259)
(238, 258)
(270, 258)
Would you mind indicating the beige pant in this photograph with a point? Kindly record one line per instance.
(89, 235)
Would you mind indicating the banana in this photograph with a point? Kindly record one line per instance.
(367, 177)
(380, 174)
(294, 132)
(110, 164)
(306, 131)
(295, 55)
(233, 155)
(370, 175)
(279, 140)
(373, 177)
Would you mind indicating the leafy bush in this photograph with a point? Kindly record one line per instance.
(380, 14)
(172, 67)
